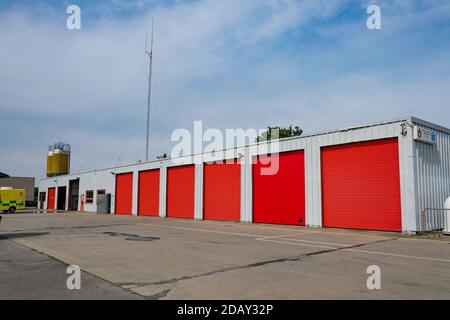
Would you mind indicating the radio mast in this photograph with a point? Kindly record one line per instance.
(149, 93)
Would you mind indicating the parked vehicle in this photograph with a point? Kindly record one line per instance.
(12, 199)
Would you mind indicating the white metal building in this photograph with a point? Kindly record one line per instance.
(381, 176)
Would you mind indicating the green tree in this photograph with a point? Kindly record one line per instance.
(163, 156)
(270, 133)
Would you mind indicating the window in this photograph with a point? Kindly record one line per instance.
(90, 196)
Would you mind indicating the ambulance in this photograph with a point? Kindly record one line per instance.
(12, 199)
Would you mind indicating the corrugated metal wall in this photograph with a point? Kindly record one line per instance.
(424, 170)
(432, 172)
(312, 145)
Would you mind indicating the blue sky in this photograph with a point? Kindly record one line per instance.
(231, 63)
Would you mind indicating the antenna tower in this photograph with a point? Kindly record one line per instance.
(149, 93)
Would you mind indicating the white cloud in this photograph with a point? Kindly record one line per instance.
(230, 63)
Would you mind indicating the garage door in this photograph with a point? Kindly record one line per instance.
(180, 191)
(361, 186)
(222, 191)
(124, 193)
(51, 199)
(149, 193)
(280, 197)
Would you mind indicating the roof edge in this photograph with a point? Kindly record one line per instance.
(396, 120)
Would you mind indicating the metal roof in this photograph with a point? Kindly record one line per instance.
(409, 119)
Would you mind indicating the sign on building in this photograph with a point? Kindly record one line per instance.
(424, 135)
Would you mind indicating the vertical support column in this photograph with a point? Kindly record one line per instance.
(410, 215)
(313, 181)
(198, 196)
(55, 201)
(243, 165)
(162, 190)
(247, 198)
(66, 204)
(46, 199)
(111, 189)
(113, 194)
(134, 207)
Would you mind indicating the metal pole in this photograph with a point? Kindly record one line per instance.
(149, 94)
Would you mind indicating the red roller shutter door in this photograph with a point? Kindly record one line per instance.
(222, 191)
(51, 199)
(180, 192)
(124, 193)
(361, 186)
(149, 193)
(280, 198)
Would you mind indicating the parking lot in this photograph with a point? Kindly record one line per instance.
(127, 257)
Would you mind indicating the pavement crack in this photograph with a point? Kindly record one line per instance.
(252, 265)
(10, 236)
(205, 274)
(73, 227)
(159, 295)
(131, 237)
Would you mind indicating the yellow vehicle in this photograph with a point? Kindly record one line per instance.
(12, 199)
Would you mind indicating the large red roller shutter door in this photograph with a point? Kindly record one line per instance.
(148, 193)
(124, 193)
(280, 197)
(361, 186)
(180, 191)
(51, 199)
(222, 191)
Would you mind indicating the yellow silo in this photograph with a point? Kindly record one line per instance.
(49, 163)
(64, 162)
(58, 159)
(60, 164)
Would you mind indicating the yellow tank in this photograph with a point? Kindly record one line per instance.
(50, 164)
(60, 162)
(58, 159)
(64, 164)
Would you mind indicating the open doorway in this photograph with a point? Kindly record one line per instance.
(74, 189)
(103, 202)
(61, 202)
(41, 200)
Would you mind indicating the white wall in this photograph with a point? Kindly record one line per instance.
(311, 144)
(432, 174)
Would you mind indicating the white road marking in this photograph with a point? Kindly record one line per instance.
(309, 241)
(204, 230)
(283, 236)
(297, 244)
(311, 244)
(257, 237)
(364, 251)
(307, 231)
(397, 255)
(252, 225)
(441, 242)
